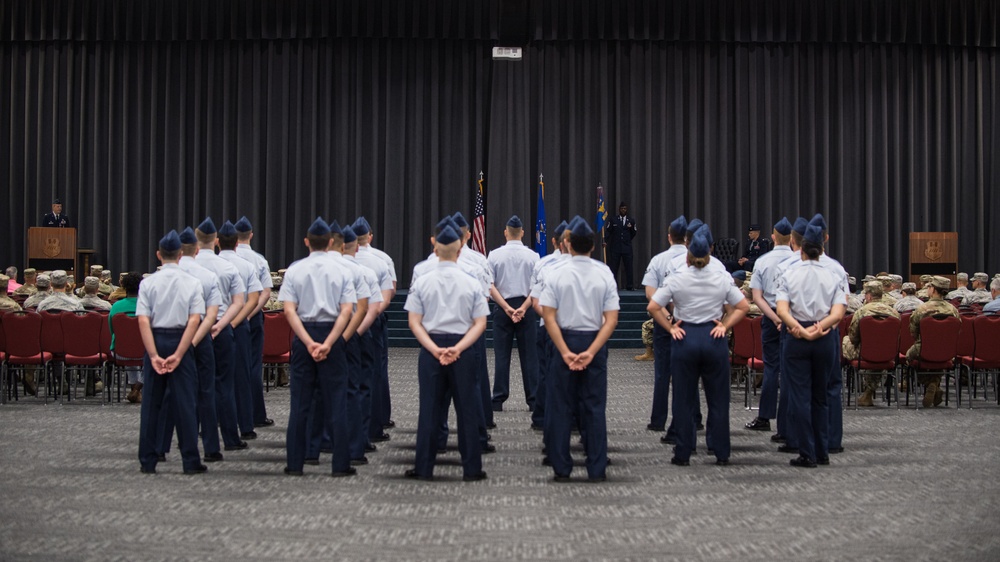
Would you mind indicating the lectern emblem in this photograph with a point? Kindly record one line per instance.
(933, 251)
(52, 248)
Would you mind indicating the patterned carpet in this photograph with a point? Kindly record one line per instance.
(912, 485)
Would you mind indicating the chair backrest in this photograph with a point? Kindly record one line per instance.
(128, 340)
(966, 338)
(906, 339)
(742, 340)
(52, 335)
(726, 249)
(277, 334)
(82, 333)
(105, 336)
(23, 333)
(844, 324)
(879, 338)
(987, 336)
(758, 343)
(3, 343)
(939, 338)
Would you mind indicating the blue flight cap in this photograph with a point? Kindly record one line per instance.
(171, 242)
(693, 226)
(514, 222)
(227, 229)
(679, 225)
(814, 234)
(581, 228)
(460, 220)
(560, 229)
(800, 226)
(705, 231)
(243, 225)
(740, 274)
(361, 226)
(447, 221)
(349, 235)
(207, 226)
(699, 245)
(319, 227)
(819, 221)
(447, 235)
(335, 228)
(783, 227)
(187, 236)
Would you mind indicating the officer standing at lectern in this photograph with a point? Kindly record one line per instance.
(56, 218)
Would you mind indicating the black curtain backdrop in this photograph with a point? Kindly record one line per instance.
(149, 116)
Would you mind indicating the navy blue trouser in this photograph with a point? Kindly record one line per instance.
(371, 357)
(808, 368)
(436, 380)
(566, 390)
(319, 438)
(328, 379)
(225, 395)
(835, 384)
(448, 399)
(241, 377)
(784, 413)
(385, 399)
(180, 388)
(544, 356)
(257, 367)
(204, 359)
(700, 356)
(770, 340)
(483, 370)
(504, 331)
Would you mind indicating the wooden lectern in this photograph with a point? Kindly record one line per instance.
(52, 248)
(933, 253)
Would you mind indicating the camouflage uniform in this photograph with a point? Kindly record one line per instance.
(959, 293)
(7, 304)
(29, 288)
(908, 303)
(931, 381)
(60, 301)
(854, 302)
(852, 341)
(647, 333)
(979, 296)
(36, 299)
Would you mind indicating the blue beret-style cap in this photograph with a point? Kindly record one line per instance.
(349, 235)
(336, 229)
(814, 234)
(361, 226)
(679, 225)
(207, 226)
(227, 229)
(460, 220)
(447, 221)
(740, 274)
(800, 226)
(705, 231)
(783, 227)
(171, 242)
(447, 235)
(514, 222)
(319, 227)
(187, 236)
(243, 225)
(699, 245)
(581, 228)
(560, 229)
(819, 221)
(694, 225)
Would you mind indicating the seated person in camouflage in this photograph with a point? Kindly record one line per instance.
(994, 305)
(44, 289)
(909, 302)
(7, 304)
(647, 340)
(897, 287)
(852, 341)
(979, 293)
(962, 290)
(119, 292)
(29, 288)
(922, 292)
(935, 305)
(886, 282)
(60, 300)
(91, 300)
(106, 288)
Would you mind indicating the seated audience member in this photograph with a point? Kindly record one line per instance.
(119, 292)
(937, 288)
(44, 289)
(7, 304)
(897, 286)
(29, 288)
(852, 341)
(909, 302)
(91, 300)
(886, 281)
(12, 284)
(126, 305)
(59, 299)
(994, 305)
(979, 293)
(105, 288)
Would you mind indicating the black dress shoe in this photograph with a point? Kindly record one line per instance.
(836, 450)
(266, 423)
(312, 462)
(825, 461)
(759, 424)
(474, 477)
(147, 470)
(778, 438)
(546, 461)
(351, 471)
(561, 478)
(722, 462)
(597, 479)
(380, 438)
(291, 472)
(679, 462)
(498, 407)
(710, 452)
(802, 462)
(491, 425)
(788, 449)
(161, 458)
(369, 448)
(700, 427)
(248, 435)
(389, 424)
(360, 461)
(537, 427)
(652, 427)
(668, 440)
(213, 457)
(489, 448)
(237, 447)
(413, 474)
(200, 469)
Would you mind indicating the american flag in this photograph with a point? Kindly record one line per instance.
(479, 221)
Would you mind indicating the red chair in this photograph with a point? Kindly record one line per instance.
(129, 349)
(966, 348)
(742, 354)
(879, 348)
(939, 343)
(755, 363)
(106, 351)
(82, 344)
(3, 359)
(52, 341)
(985, 358)
(23, 344)
(277, 344)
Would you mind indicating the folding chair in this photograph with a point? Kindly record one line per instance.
(906, 341)
(23, 344)
(277, 345)
(966, 348)
(52, 342)
(82, 344)
(755, 363)
(129, 349)
(985, 359)
(939, 342)
(879, 346)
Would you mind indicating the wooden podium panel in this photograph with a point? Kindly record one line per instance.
(52, 248)
(933, 253)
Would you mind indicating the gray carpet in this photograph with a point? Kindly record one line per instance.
(912, 485)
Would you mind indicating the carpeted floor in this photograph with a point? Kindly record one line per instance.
(911, 485)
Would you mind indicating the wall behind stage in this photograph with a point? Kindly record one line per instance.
(149, 116)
